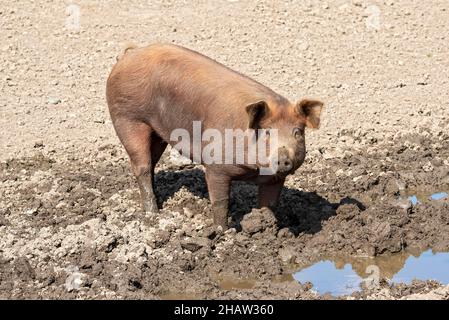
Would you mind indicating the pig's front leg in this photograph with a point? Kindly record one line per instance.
(269, 194)
(219, 186)
(149, 202)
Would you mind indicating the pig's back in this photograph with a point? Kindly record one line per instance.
(170, 86)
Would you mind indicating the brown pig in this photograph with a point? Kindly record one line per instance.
(155, 90)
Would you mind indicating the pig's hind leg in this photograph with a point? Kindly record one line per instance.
(144, 148)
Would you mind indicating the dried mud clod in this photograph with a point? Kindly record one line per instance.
(259, 220)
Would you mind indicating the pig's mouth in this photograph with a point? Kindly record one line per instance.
(276, 174)
(286, 166)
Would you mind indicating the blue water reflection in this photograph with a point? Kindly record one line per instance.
(340, 278)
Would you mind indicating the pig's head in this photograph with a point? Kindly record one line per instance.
(286, 143)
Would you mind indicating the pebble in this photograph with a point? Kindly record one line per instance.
(54, 101)
(189, 213)
(287, 255)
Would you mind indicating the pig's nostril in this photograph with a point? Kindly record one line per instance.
(286, 163)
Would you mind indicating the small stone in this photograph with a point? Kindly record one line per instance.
(54, 101)
(189, 213)
(287, 255)
(328, 156)
(285, 233)
(74, 279)
(39, 144)
(428, 167)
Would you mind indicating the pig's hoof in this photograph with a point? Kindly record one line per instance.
(150, 218)
(151, 213)
(222, 227)
(150, 208)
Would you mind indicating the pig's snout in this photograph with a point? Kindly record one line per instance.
(283, 163)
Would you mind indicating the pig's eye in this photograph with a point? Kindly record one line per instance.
(298, 132)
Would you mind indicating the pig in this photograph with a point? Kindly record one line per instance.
(154, 90)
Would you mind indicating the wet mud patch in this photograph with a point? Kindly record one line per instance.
(12, 167)
(77, 224)
(68, 193)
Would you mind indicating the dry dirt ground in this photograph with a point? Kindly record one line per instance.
(70, 225)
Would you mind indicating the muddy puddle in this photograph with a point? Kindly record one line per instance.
(236, 284)
(345, 275)
(425, 196)
(227, 283)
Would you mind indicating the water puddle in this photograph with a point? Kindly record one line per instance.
(345, 275)
(228, 282)
(224, 282)
(439, 196)
(424, 197)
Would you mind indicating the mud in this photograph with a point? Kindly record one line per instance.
(72, 228)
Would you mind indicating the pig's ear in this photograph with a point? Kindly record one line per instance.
(256, 111)
(311, 111)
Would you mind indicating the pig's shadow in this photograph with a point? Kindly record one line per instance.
(300, 211)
